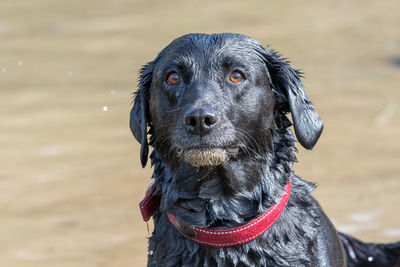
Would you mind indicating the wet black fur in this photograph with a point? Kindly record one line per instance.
(252, 118)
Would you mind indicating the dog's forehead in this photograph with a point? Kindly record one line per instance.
(205, 46)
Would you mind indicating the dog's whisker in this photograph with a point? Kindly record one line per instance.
(247, 136)
(173, 110)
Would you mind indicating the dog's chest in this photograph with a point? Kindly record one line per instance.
(276, 247)
(178, 252)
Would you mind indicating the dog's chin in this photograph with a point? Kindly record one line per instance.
(202, 157)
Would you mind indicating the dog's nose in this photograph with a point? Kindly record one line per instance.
(200, 121)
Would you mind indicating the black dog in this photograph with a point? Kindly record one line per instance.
(215, 108)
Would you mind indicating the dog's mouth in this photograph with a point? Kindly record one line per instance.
(208, 156)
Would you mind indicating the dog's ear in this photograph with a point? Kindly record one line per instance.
(139, 116)
(285, 80)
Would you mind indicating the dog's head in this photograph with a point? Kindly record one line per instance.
(210, 98)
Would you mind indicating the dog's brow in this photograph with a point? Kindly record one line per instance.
(181, 62)
(230, 61)
(185, 63)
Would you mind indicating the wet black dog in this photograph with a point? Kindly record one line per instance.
(215, 108)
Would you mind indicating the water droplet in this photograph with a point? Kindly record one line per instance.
(370, 258)
(20, 63)
(4, 70)
(69, 73)
(221, 254)
(105, 108)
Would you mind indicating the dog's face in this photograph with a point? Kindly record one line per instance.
(206, 98)
(212, 98)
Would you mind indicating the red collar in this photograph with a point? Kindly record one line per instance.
(219, 238)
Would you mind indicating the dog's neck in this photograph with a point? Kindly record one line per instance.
(229, 194)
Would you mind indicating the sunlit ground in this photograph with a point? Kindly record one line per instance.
(70, 177)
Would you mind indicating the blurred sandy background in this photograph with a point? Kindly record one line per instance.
(70, 177)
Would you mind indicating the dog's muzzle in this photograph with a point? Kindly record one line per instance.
(198, 157)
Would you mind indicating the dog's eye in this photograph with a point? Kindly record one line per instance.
(236, 76)
(173, 78)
